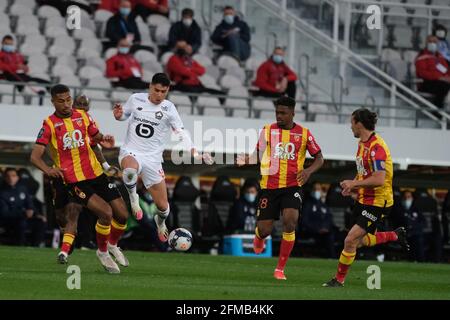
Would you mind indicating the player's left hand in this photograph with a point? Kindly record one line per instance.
(207, 158)
(108, 141)
(303, 176)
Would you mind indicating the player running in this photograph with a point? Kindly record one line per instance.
(67, 208)
(69, 132)
(373, 185)
(151, 117)
(283, 148)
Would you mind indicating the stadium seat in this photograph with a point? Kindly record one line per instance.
(110, 52)
(162, 34)
(30, 48)
(84, 34)
(157, 20)
(230, 81)
(92, 43)
(55, 32)
(144, 56)
(165, 57)
(203, 60)
(88, 72)
(61, 70)
(87, 53)
(209, 81)
(226, 62)
(21, 10)
(210, 105)
(99, 82)
(96, 62)
(237, 72)
(239, 107)
(64, 41)
(48, 12)
(120, 96)
(38, 59)
(263, 108)
(27, 30)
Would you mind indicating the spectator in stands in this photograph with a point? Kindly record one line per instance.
(112, 5)
(17, 211)
(13, 66)
(433, 69)
(184, 71)
(317, 220)
(124, 70)
(414, 221)
(242, 218)
(122, 25)
(443, 46)
(187, 30)
(233, 34)
(144, 8)
(274, 78)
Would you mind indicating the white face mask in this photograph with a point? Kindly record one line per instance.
(407, 203)
(440, 34)
(317, 195)
(187, 22)
(432, 47)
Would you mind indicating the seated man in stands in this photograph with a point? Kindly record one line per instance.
(12, 64)
(187, 29)
(318, 221)
(122, 25)
(433, 69)
(233, 35)
(124, 70)
(242, 218)
(144, 8)
(274, 78)
(443, 46)
(184, 71)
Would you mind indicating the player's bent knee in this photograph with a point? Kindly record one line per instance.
(130, 176)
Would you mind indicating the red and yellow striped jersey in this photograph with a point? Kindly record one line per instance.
(284, 154)
(374, 155)
(69, 140)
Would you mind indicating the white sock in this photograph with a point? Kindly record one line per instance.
(161, 216)
(130, 177)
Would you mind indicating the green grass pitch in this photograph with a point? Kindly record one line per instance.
(29, 273)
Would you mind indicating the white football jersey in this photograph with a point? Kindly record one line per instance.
(149, 125)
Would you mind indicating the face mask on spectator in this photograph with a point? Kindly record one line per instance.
(407, 203)
(124, 50)
(317, 194)
(187, 22)
(8, 47)
(250, 197)
(432, 47)
(181, 52)
(440, 34)
(277, 58)
(125, 11)
(229, 19)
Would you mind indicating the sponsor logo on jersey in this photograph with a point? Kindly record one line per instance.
(73, 140)
(141, 100)
(164, 108)
(146, 121)
(284, 151)
(140, 108)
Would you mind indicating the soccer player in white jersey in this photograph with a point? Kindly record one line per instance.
(151, 117)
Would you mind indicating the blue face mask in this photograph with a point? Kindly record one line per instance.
(8, 47)
(277, 58)
(124, 50)
(407, 203)
(250, 197)
(317, 195)
(125, 11)
(229, 19)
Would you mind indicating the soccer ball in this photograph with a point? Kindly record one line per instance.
(180, 239)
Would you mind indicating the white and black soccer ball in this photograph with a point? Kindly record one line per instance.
(180, 239)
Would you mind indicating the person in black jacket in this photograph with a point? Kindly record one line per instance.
(123, 25)
(188, 30)
(242, 217)
(317, 220)
(233, 35)
(17, 210)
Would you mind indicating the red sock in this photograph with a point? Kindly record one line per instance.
(117, 230)
(383, 237)
(102, 236)
(342, 272)
(68, 239)
(287, 243)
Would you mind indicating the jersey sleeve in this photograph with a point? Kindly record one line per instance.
(311, 145)
(378, 156)
(128, 107)
(44, 134)
(174, 119)
(262, 141)
(92, 126)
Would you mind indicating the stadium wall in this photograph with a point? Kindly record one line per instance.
(235, 135)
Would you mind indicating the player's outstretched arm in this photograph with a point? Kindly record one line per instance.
(118, 112)
(105, 140)
(305, 174)
(109, 170)
(38, 162)
(375, 180)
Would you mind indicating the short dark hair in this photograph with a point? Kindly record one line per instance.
(161, 78)
(285, 101)
(187, 12)
(9, 169)
(366, 117)
(228, 8)
(439, 27)
(59, 88)
(8, 37)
